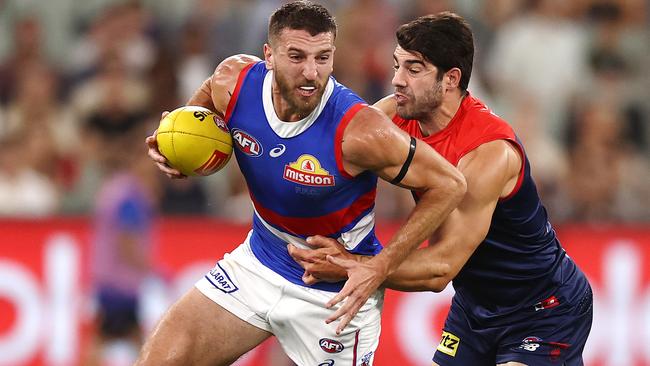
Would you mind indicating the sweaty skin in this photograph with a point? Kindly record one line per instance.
(370, 142)
(467, 225)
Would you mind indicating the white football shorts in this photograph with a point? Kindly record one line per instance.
(294, 314)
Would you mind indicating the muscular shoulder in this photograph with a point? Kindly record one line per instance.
(387, 105)
(370, 137)
(504, 160)
(224, 78)
(368, 126)
(228, 70)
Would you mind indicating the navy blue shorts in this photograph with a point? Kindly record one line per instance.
(554, 335)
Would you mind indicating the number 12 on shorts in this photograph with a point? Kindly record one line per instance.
(448, 344)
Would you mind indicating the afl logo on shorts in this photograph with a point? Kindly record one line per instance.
(246, 143)
(330, 345)
(308, 171)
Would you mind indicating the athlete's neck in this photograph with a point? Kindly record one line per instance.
(441, 116)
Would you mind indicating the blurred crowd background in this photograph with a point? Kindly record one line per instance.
(83, 82)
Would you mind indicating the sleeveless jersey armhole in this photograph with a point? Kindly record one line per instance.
(338, 140)
(509, 140)
(233, 98)
(522, 169)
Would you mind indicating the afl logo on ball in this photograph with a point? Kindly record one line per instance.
(220, 123)
(330, 345)
(246, 143)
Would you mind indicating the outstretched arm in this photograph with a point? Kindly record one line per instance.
(372, 142)
(318, 268)
(491, 172)
(213, 94)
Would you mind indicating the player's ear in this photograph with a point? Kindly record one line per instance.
(268, 56)
(452, 78)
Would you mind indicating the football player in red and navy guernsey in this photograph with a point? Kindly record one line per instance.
(519, 299)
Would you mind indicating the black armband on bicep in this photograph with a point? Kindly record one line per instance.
(407, 163)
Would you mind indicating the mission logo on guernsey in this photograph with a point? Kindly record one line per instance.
(307, 170)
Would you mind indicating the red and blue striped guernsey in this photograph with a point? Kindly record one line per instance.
(295, 175)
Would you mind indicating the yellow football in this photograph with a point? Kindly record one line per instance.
(194, 140)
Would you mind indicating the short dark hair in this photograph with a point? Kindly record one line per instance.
(302, 15)
(444, 39)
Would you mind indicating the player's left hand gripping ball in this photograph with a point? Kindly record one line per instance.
(194, 140)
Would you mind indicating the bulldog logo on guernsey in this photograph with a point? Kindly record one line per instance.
(307, 170)
(246, 143)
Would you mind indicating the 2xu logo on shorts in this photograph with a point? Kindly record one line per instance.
(330, 345)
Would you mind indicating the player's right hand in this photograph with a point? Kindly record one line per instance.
(314, 261)
(158, 158)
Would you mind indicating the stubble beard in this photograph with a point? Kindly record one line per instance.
(299, 105)
(421, 109)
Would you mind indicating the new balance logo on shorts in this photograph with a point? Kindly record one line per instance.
(530, 344)
(220, 279)
(536, 344)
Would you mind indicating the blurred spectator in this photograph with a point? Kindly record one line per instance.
(617, 64)
(120, 31)
(26, 50)
(539, 63)
(536, 67)
(123, 243)
(24, 191)
(163, 82)
(595, 163)
(112, 90)
(608, 136)
(184, 197)
(194, 64)
(364, 46)
(55, 152)
(540, 56)
(601, 167)
(485, 20)
(107, 103)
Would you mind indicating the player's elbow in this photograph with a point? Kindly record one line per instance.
(438, 284)
(454, 186)
(460, 184)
